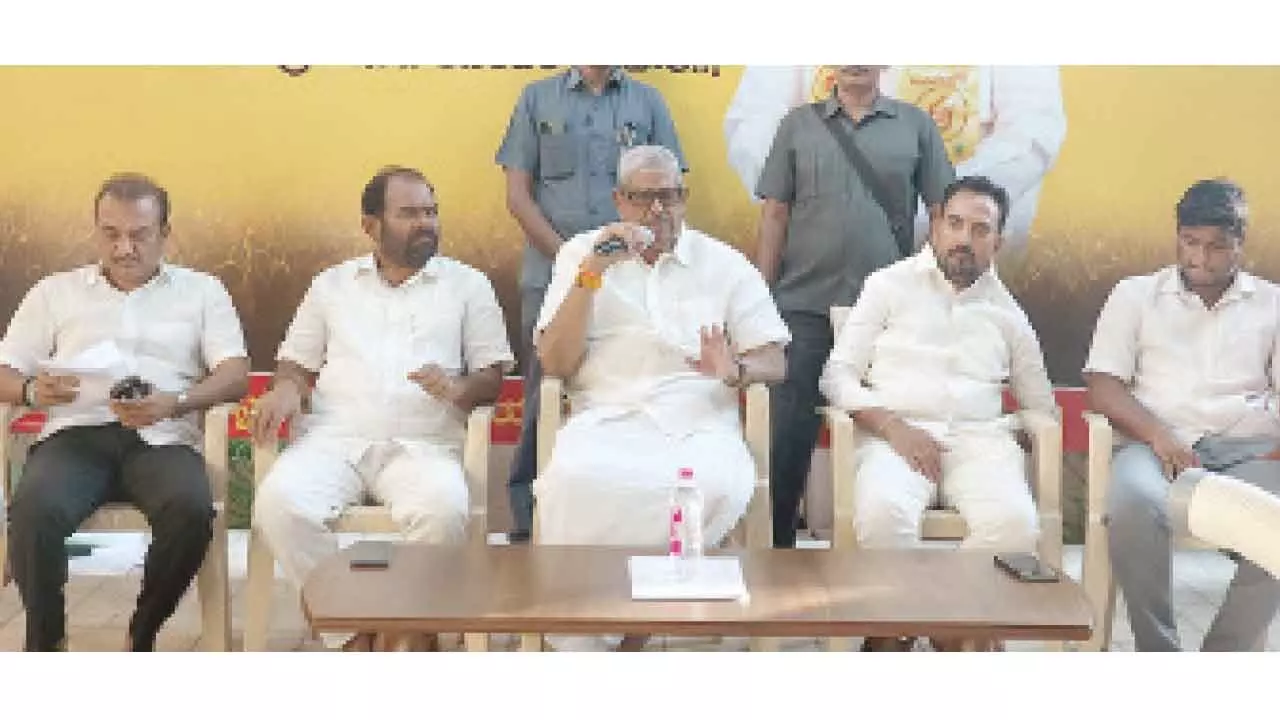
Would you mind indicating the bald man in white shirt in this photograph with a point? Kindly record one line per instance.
(654, 340)
(130, 314)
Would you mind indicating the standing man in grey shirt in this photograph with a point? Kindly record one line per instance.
(560, 156)
(823, 230)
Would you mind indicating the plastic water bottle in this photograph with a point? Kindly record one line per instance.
(686, 517)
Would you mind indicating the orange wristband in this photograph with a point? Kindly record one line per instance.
(588, 279)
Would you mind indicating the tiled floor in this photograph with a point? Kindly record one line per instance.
(103, 586)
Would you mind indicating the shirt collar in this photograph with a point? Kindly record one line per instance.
(1170, 283)
(881, 106)
(684, 251)
(577, 82)
(95, 273)
(366, 265)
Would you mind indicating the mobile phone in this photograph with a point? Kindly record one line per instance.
(370, 555)
(1026, 567)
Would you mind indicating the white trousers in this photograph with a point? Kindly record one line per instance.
(609, 482)
(315, 479)
(984, 477)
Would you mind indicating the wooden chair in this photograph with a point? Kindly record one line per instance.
(756, 527)
(944, 523)
(364, 518)
(1096, 578)
(211, 582)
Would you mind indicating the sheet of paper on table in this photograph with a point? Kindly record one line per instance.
(659, 577)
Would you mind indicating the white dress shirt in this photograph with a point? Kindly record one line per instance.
(644, 330)
(1200, 370)
(171, 332)
(936, 357)
(363, 336)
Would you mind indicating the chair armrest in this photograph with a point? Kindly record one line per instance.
(1101, 441)
(475, 466)
(217, 448)
(844, 441)
(550, 417)
(6, 444)
(756, 427)
(1046, 455)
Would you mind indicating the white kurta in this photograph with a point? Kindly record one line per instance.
(938, 359)
(640, 413)
(372, 430)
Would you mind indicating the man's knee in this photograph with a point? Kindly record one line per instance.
(1139, 492)
(1012, 527)
(431, 523)
(277, 512)
(883, 521)
(36, 511)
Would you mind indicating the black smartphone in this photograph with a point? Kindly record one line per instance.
(1026, 567)
(370, 555)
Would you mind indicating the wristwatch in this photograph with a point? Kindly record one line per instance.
(29, 392)
(181, 402)
(736, 381)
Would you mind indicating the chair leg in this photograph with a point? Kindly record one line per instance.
(840, 644)
(260, 592)
(762, 644)
(531, 642)
(476, 642)
(214, 590)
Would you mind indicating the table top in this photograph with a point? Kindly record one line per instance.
(936, 592)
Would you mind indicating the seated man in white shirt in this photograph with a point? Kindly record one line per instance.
(654, 341)
(1185, 365)
(920, 364)
(129, 314)
(401, 345)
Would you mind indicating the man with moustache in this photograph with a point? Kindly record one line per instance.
(920, 364)
(655, 327)
(560, 157)
(823, 228)
(1185, 366)
(400, 345)
(177, 331)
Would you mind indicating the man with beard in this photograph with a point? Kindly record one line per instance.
(654, 326)
(839, 188)
(920, 364)
(400, 344)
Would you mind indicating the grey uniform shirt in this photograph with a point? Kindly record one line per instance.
(837, 234)
(569, 140)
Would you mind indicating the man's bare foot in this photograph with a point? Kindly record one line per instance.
(633, 643)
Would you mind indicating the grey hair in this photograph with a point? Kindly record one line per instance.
(647, 157)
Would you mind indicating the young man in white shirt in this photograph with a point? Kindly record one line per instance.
(400, 346)
(1185, 365)
(178, 332)
(920, 364)
(654, 340)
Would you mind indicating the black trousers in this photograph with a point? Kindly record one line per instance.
(794, 419)
(72, 473)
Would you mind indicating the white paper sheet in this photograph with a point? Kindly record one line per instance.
(658, 577)
(97, 367)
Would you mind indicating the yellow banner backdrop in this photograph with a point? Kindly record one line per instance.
(265, 167)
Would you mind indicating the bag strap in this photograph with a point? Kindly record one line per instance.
(903, 232)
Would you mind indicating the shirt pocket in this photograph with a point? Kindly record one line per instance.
(557, 155)
(819, 173)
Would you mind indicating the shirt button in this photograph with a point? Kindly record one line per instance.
(591, 120)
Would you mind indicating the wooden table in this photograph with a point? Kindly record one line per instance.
(533, 590)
